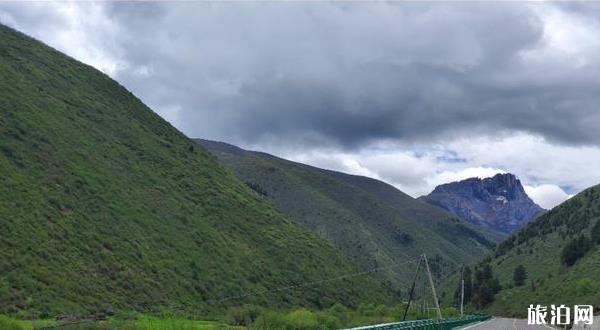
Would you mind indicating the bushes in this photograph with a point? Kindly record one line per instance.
(244, 315)
(335, 317)
(300, 319)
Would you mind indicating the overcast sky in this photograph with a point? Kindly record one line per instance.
(415, 94)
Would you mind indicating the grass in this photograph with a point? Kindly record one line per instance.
(105, 207)
(142, 322)
(10, 323)
(335, 317)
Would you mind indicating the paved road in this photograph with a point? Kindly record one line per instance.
(505, 324)
(594, 326)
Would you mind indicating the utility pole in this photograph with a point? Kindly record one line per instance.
(435, 299)
(462, 290)
(412, 288)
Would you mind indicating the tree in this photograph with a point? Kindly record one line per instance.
(596, 233)
(519, 275)
(485, 286)
(468, 284)
(575, 249)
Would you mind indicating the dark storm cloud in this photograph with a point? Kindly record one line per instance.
(353, 73)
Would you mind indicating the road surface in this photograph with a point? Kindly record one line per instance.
(594, 326)
(505, 324)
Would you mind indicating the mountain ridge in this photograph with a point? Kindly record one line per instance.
(499, 202)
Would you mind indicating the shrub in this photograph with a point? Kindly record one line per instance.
(243, 315)
(300, 319)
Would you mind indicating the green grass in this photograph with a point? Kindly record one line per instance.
(105, 207)
(371, 221)
(334, 317)
(168, 323)
(10, 323)
(142, 322)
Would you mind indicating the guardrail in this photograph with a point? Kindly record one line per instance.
(428, 324)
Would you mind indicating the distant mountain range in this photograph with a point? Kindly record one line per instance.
(370, 221)
(499, 203)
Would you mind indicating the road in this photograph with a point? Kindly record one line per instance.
(505, 324)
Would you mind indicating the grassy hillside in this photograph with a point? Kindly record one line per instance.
(560, 254)
(106, 207)
(374, 223)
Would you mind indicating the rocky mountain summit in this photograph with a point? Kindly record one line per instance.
(498, 203)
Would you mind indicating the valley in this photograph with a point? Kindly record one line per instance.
(372, 222)
(111, 217)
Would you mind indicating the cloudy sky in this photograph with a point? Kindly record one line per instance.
(415, 94)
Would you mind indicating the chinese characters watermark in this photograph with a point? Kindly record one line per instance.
(560, 315)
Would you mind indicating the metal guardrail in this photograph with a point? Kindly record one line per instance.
(428, 324)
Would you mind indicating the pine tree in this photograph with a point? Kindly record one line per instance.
(485, 286)
(575, 249)
(468, 276)
(596, 233)
(519, 275)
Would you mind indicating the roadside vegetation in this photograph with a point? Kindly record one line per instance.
(244, 317)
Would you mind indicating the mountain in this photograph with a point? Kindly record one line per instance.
(105, 207)
(499, 203)
(560, 255)
(372, 222)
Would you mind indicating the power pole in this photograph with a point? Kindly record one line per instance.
(462, 290)
(412, 289)
(435, 299)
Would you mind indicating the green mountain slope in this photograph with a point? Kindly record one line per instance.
(541, 248)
(411, 208)
(373, 222)
(105, 207)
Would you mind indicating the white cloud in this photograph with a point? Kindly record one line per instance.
(542, 167)
(547, 195)
(569, 38)
(82, 30)
(535, 160)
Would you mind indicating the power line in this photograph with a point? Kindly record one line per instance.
(306, 284)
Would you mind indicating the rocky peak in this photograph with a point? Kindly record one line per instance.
(499, 202)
